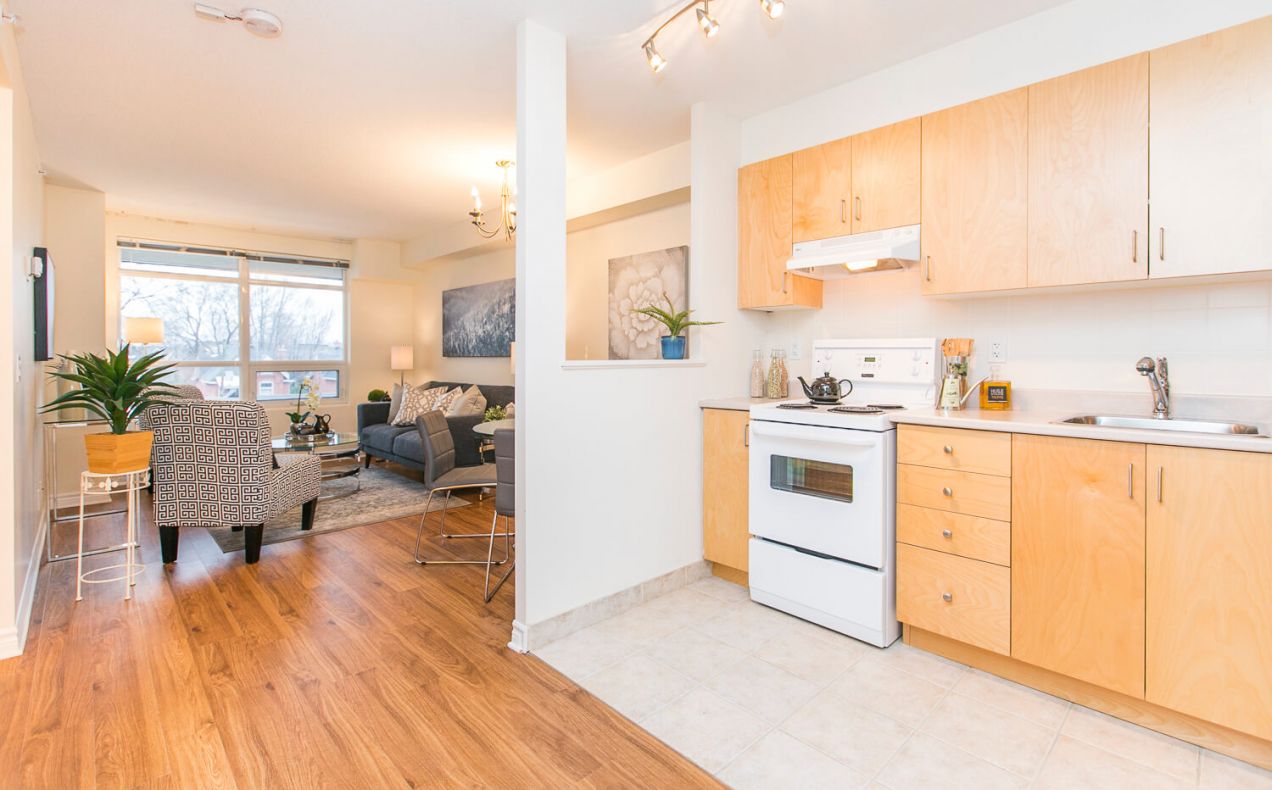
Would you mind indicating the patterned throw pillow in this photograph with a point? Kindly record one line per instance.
(416, 402)
(445, 402)
(395, 402)
(471, 402)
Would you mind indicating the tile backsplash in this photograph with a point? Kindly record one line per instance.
(1218, 336)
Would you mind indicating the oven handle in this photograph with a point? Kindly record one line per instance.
(807, 433)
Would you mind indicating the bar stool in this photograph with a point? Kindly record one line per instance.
(127, 483)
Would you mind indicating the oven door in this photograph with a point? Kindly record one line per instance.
(826, 490)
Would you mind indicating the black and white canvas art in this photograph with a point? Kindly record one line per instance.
(637, 281)
(479, 320)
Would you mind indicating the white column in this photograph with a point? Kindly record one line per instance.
(540, 276)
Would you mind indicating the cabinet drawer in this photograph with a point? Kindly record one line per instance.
(988, 496)
(963, 599)
(955, 533)
(983, 452)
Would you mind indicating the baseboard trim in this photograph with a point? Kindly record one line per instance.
(13, 638)
(566, 623)
(1137, 711)
(520, 641)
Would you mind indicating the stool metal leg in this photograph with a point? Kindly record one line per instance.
(488, 593)
(420, 533)
(79, 551)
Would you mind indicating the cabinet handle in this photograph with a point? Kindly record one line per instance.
(1159, 484)
(947, 491)
(1134, 246)
(948, 450)
(947, 597)
(927, 268)
(1130, 480)
(1161, 243)
(843, 212)
(746, 434)
(947, 534)
(857, 201)
(784, 276)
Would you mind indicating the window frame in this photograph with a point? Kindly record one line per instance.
(248, 368)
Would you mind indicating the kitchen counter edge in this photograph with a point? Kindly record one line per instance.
(735, 404)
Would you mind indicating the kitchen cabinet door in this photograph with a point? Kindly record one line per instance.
(1209, 618)
(724, 487)
(1077, 559)
(822, 189)
(764, 240)
(1088, 175)
(885, 177)
(1211, 157)
(974, 201)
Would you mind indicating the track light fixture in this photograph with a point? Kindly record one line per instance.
(706, 23)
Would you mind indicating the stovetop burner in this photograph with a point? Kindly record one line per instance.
(799, 406)
(856, 410)
(886, 406)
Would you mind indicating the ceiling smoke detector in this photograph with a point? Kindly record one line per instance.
(255, 21)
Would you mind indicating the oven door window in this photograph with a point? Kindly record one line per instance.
(811, 478)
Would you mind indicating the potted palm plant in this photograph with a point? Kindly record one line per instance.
(117, 390)
(673, 344)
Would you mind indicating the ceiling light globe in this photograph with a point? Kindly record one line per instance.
(708, 23)
(774, 8)
(656, 61)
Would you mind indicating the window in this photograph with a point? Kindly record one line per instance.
(233, 318)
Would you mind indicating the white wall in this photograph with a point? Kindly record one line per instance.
(587, 257)
(21, 388)
(1219, 337)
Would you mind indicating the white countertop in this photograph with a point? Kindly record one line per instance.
(735, 404)
(1043, 422)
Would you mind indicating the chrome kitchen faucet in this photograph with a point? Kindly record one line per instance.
(1159, 380)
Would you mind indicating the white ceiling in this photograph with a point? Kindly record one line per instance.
(372, 119)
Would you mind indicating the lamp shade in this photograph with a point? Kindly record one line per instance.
(143, 331)
(402, 357)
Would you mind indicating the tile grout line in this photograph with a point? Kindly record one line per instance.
(1033, 781)
(914, 731)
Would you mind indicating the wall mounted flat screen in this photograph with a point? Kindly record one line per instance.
(44, 307)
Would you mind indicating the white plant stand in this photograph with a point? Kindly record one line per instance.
(130, 484)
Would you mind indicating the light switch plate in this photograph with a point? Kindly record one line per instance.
(797, 350)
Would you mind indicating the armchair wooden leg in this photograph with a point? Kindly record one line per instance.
(168, 543)
(239, 528)
(366, 460)
(307, 512)
(252, 543)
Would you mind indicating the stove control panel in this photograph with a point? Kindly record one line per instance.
(906, 364)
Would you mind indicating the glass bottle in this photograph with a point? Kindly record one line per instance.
(773, 385)
(784, 380)
(757, 374)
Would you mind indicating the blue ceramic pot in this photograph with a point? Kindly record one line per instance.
(673, 347)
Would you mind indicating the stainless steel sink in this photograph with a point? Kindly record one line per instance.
(1172, 424)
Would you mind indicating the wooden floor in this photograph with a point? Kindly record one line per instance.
(334, 662)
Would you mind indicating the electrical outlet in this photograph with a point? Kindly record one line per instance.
(797, 350)
(998, 352)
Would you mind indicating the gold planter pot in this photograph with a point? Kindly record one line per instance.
(111, 453)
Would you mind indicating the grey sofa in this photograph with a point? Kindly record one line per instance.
(401, 444)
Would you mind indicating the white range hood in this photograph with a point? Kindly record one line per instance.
(843, 256)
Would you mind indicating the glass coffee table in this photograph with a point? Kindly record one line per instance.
(340, 454)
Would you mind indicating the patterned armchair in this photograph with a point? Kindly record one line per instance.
(182, 393)
(213, 467)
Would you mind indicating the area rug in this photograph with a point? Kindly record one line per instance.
(384, 495)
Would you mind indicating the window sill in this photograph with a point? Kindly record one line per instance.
(622, 364)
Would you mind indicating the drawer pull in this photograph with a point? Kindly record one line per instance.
(947, 597)
(947, 491)
(947, 534)
(948, 450)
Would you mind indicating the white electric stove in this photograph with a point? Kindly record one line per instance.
(823, 488)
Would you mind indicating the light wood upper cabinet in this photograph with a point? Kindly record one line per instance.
(1209, 618)
(764, 240)
(822, 191)
(1211, 161)
(724, 487)
(885, 177)
(974, 196)
(1077, 559)
(1088, 175)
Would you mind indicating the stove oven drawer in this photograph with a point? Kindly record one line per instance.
(966, 600)
(960, 449)
(987, 496)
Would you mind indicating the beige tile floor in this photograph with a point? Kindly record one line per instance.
(765, 700)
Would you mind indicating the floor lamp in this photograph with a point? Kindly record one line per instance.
(402, 359)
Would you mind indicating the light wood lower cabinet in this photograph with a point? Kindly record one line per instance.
(963, 599)
(1077, 559)
(1209, 616)
(988, 496)
(725, 455)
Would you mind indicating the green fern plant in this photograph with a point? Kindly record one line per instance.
(676, 322)
(113, 387)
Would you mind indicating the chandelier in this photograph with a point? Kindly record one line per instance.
(706, 23)
(507, 207)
